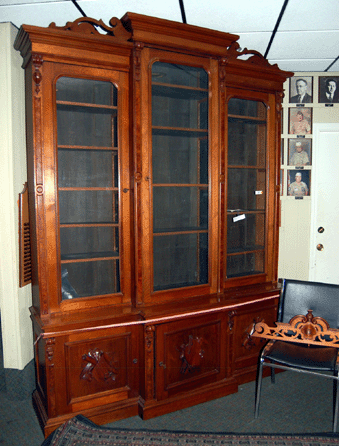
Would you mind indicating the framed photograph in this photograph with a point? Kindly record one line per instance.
(300, 121)
(301, 90)
(300, 152)
(282, 152)
(298, 183)
(329, 89)
(281, 182)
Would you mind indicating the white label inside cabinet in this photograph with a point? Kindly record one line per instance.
(258, 192)
(239, 217)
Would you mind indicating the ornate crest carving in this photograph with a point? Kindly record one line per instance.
(234, 52)
(87, 25)
(303, 329)
(191, 354)
(99, 366)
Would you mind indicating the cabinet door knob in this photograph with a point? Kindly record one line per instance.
(161, 364)
(125, 190)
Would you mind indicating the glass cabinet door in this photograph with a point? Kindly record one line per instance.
(180, 175)
(246, 187)
(87, 142)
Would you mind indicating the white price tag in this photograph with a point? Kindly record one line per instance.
(258, 192)
(239, 217)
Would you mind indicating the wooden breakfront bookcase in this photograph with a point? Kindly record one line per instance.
(153, 159)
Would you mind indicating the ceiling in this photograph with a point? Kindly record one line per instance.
(305, 33)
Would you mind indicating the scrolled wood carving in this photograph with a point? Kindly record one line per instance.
(248, 342)
(191, 354)
(234, 52)
(306, 329)
(87, 25)
(99, 366)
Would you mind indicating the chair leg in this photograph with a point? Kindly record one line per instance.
(272, 375)
(336, 403)
(258, 388)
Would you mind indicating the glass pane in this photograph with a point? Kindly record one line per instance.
(247, 234)
(246, 142)
(245, 264)
(81, 279)
(180, 175)
(179, 208)
(179, 159)
(88, 178)
(85, 126)
(245, 107)
(180, 260)
(86, 91)
(246, 187)
(89, 242)
(88, 207)
(87, 168)
(183, 75)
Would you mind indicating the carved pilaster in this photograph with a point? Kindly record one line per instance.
(222, 73)
(50, 344)
(37, 78)
(231, 315)
(37, 61)
(138, 47)
(149, 362)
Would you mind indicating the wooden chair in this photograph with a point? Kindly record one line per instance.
(305, 342)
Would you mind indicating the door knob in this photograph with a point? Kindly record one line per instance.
(321, 230)
(320, 247)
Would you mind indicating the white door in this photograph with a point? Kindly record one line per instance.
(324, 239)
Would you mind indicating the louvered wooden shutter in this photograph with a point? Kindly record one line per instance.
(25, 269)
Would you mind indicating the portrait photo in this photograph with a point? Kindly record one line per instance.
(281, 182)
(300, 152)
(329, 89)
(282, 161)
(301, 90)
(298, 183)
(300, 121)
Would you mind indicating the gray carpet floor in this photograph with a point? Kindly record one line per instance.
(297, 403)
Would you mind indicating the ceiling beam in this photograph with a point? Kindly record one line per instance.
(276, 28)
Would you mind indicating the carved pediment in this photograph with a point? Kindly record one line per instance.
(234, 52)
(87, 25)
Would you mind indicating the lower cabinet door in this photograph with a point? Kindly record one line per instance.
(91, 369)
(190, 353)
(246, 349)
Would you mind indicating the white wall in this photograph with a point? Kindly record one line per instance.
(14, 301)
(294, 236)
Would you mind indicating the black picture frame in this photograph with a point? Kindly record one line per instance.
(326, 84)
(301, 86)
